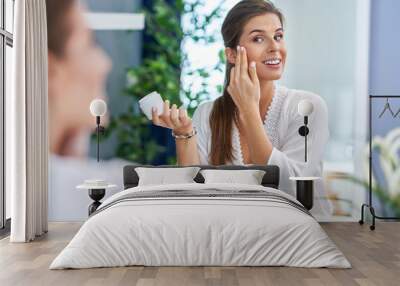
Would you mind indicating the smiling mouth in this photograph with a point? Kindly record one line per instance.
(272, 62)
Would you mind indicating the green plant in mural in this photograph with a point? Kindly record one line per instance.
(386, 188)
(161, 70)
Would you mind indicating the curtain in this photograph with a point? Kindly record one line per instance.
(26, 124)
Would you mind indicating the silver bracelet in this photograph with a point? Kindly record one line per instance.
(185, 136)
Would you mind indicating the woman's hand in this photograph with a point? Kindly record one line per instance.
(173, 118)
(244, 86)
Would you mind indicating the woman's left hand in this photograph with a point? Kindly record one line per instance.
(244, 86)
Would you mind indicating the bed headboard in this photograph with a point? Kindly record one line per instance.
(270, 179)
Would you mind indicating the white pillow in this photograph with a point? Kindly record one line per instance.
(162, 176)
(249, 177)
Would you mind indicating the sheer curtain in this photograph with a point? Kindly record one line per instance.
(26, 124)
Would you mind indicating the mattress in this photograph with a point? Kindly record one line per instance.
(201, 225)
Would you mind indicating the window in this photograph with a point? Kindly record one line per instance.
(6, 44)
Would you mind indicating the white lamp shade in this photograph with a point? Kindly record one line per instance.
(98, 107)
(305, 107)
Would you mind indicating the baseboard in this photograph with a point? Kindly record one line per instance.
(336, 219)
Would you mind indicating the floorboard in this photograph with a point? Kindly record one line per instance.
(374, 255)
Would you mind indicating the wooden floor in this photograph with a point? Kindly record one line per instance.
(375, 257)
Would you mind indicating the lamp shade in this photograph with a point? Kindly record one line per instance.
(305, 107)
(98, 107)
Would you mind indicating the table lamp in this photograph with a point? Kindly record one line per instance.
(305, 108)
(98, 108)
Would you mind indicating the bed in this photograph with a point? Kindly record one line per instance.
(201, 224)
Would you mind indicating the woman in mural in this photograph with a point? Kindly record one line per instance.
(255, 121)
(77, 70)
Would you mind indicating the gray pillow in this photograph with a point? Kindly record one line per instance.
(163, 176)
(248, 177)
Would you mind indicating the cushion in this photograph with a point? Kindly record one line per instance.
(162, 176)
(248, 177)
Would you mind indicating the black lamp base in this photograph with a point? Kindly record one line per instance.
(305, 193)
(96, 195)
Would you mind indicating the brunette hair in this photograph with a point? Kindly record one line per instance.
(58, 29)
(224, 112)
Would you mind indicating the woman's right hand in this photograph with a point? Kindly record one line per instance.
(173, 118)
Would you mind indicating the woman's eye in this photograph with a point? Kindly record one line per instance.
(258, 39)
(278, 37)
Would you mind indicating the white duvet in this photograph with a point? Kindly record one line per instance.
(200, 231)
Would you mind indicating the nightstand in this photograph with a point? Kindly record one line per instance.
(96, 190)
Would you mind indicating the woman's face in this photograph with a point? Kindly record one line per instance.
(78, 76)
(263, 39)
